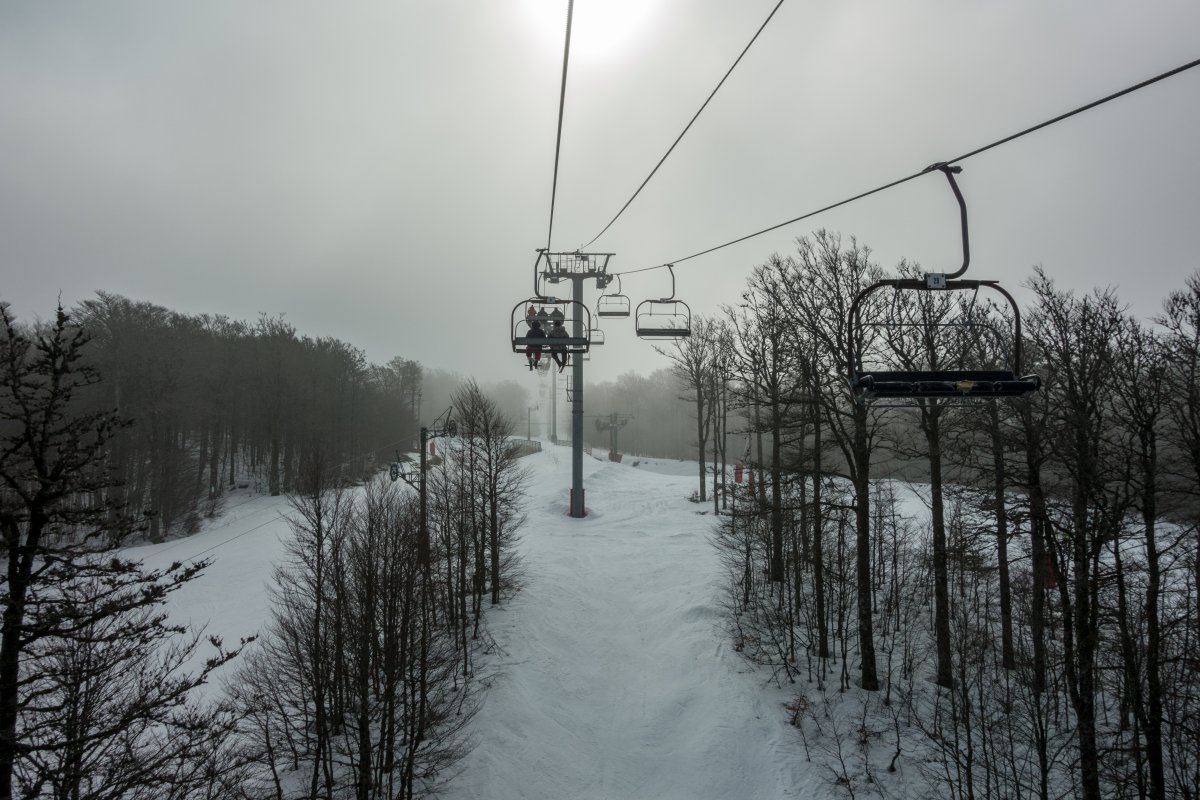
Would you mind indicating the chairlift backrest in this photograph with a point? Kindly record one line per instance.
(881, 371)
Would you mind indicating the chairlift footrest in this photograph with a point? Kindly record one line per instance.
(953, 384)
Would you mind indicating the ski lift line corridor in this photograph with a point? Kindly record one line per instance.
(589, 702)
(567, 344)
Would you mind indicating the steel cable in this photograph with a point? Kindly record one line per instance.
(670, 149)
(963, 157)
(562, 99)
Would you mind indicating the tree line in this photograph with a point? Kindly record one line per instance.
(1048, 586)
(215, 403)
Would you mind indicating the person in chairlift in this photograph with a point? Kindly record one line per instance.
(557, 352)
(533, 352)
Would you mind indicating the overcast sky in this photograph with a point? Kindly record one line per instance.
(380, 172)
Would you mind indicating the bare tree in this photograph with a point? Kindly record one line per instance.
(819, 291)
(1075, 337)
(695, 359)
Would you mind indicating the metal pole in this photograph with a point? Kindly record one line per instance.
(577, 507)
(423, 530)
(553, 406)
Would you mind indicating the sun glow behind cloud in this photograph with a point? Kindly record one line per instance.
(600, 29)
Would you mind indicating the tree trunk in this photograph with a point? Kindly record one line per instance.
(11, 645)
(1154, 699)
(1008, 658)
(818, 553)
(862, 519)
(776, 495)
(273, 480)
(930, 419)
(494, 527)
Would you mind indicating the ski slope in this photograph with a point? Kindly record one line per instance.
(613, 677)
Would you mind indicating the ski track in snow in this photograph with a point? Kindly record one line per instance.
(615, 679)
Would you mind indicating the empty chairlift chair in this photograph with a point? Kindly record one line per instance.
(950, 349)
(614, 304)
(666, 318)
(976, 355)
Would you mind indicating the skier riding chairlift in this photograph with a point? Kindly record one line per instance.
(533, 352)
(558, 332)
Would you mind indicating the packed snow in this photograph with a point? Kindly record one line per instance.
(612, 675)
(615, 678)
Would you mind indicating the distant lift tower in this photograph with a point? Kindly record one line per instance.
(554, 268)
(612, 423)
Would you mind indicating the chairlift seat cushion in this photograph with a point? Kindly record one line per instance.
(572, 344)
(959, 383)
(664, 333)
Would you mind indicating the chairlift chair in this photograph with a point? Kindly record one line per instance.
(666, 318)
(872, 382)
(613, 304)
(948, 386)
(553, 309)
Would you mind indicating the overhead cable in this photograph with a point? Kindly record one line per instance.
(562, 99)
(930, 168)
(687, 127)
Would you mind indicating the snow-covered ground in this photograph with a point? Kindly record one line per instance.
(231, 597)
(613, 677)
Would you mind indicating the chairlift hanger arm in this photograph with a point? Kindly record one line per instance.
(537, 285)
(671, 296)
(950, 172)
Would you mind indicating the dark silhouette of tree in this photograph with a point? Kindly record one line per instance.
(827, 277)
(95, 699)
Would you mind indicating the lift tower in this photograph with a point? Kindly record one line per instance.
(612, 423)
(576, 267)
